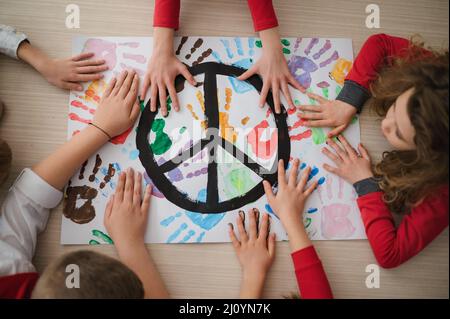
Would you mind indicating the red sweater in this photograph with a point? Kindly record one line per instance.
(167, 13)
(392, 245)
(311, 278)
(18, 286)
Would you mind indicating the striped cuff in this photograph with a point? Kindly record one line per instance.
(366, 186)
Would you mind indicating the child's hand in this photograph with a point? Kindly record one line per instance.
(273, 69)
(118, 108)
(290, 199)
(125, 215)
(255, 251)
(162, 69)
(350, 165)
(68, 73)
(335, 114)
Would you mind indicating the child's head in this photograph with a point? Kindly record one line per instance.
(413, 97)
(100, 276)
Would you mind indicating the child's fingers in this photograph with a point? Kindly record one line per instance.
(350, 150)
(108, 209)
(264, 93)
(173, 96)
(119, 82)
(233, 238)
(287, 94)
(304, 179)
(87, 77)
(264, 228)
(241, 227)
(154, 96)
(318, 123)
(72, 86)
(83, 56)
(281, 174)
(146, 200)
(110, 87)
(310, 108)
(312, 116)
(294, 173)
(120, 187)
(244, 76)
(311, 188)
(271, 244)
(295, 84)
(129, 186)
(145, 86)
(91, 69)
(89, 62)
(362, 150)
(137, 189)
(253, 231)
(133, 92)
(269, 192)
(276, 96)
(339, 151)
(163, 99)
(187, 75)
(316, 97)
(125, 89)
(332, 156)
(337, 130)
(331, 169)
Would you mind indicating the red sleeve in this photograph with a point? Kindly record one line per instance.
(377, 51)
(18, 286)
(263, 14)
(166, 14)
(393, 245)
(311, 278)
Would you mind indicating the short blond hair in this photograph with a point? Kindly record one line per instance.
(100, 276)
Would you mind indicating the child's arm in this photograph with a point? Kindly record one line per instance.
(288, 204)
(126, 221)
(255, 250)
(272, 65)
(25, 210)
(378, 51)
(116, 112)
(163, 67)
(391, 245)
(63, 73)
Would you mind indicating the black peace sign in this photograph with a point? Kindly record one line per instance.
(211, 142)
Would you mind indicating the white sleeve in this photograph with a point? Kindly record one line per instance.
(23, 215)
(10, 39)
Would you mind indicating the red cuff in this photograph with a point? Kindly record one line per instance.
(166, 14)
(305, 258)
(263, 14)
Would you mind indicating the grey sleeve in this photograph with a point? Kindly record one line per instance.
(10, 39)
(366, 186)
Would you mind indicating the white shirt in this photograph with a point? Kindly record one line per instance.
(23, 215)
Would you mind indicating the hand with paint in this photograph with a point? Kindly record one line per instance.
(351, 166)
(67, 73)
(255, 250)
(162, 69)
(289, 202)
(119, 107)
(125, 220)
(273, 69)
(335, 114)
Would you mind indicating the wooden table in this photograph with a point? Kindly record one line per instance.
(36, 118)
